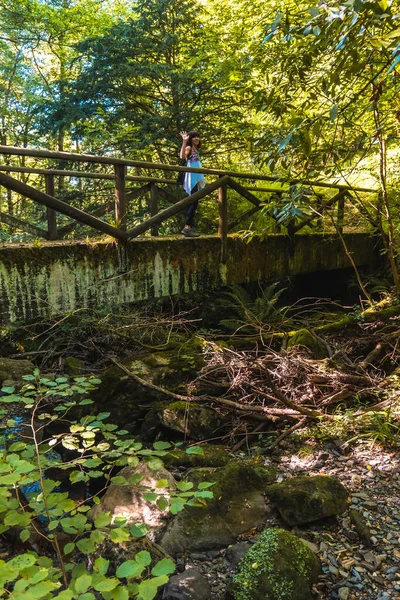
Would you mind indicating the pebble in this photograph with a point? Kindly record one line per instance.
(344, 593)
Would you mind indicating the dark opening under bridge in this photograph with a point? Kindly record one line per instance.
(60, 276)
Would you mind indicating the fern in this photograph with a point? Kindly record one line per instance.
(246, 315)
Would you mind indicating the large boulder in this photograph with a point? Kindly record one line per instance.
(306, 499)
(237, 505)
(279, 566)
(126, 500)
(187, 419)
(13, 370)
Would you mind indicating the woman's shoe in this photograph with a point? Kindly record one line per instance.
(190, 232)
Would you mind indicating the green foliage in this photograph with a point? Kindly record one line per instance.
(98, 448)
(248, 315)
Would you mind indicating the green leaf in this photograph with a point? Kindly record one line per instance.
(25, 535)
(8, 390)
(103, 519)
(68, 548)
(119, 535)
(177, 505)
(22, 561)
(107, 585)
(162, 483)
(130, 568)
(205, 484)
(195, 450)
(143, 558)
(120, 593)
(155, 464)
(101, 565)
(184, 486)
(204, 494)
(148, 588)
(166, 566)
(9, 399)
(139, 530)
(86, 546)
(162, 503)
(161, 445)
(82, 583)
(102, 416)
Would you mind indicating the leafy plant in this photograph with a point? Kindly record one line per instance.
(249, 315)
(35, 505)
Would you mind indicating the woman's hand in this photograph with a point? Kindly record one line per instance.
(184, 136)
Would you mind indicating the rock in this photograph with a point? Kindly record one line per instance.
(278, 567)
(13, 369)
(127, 500)
(213, 456)
(193, 420)
(306, 499)
(128, 400)
(73, 366)
(237, 506)
(344, 593)
(189, 585)
(307, 340)
(235, 553)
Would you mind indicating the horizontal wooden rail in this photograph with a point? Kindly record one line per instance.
(91, 158)
(47, 200)
(83, 174)
(24, 225)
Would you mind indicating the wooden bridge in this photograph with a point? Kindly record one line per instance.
(59, 275)
(155, 185)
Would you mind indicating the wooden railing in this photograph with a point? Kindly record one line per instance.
(149, 185)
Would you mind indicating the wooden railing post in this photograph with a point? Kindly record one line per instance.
(223, 221)
(51, 213)
(120, 196)
(154, 207)
(340, 213)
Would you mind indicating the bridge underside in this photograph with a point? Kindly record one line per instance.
(57, 278)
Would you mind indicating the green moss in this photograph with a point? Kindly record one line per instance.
(278, 567)
(304, 338)
(307, 499)
(235, 479)
(213, 456)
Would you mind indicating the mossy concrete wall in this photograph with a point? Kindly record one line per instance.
(57, 278)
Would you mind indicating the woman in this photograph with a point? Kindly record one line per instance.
(193, 181)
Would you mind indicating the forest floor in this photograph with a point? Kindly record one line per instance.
(352, 570)
(302, 413)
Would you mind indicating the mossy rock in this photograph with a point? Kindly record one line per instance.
(306, 499)
(304, 338)
(278, 567)
(73, 366)
(237, 505)
(187, 419)
(213, 456)
(14, 369)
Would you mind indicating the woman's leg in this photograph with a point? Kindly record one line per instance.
(191, 209)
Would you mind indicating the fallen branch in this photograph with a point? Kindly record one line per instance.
(287, 432)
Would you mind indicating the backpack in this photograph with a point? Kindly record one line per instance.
(181, 175)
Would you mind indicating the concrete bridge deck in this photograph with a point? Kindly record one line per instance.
(59, 277)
